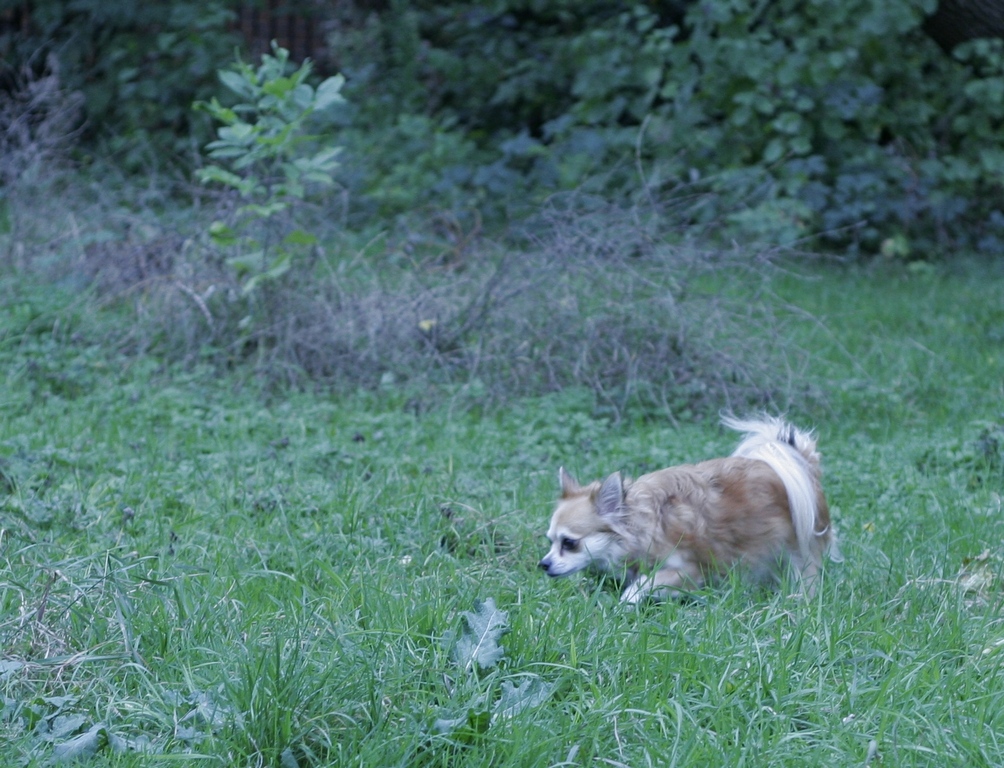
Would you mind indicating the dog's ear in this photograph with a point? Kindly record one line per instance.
(610, 496)
(568, 485)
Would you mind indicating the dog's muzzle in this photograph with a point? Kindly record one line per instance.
(545, 566)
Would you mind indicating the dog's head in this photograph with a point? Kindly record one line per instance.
(582, 531)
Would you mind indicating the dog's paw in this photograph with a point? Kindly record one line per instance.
(635, 593)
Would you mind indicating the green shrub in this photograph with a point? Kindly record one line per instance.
(449, 102)
(268, 158)
(834, 117)
(794, 118)
(855, 120)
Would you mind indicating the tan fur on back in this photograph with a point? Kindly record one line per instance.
(702, 513)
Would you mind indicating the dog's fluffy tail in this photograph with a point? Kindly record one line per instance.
(792, 454)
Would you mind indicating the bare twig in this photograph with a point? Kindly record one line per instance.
(198, 303)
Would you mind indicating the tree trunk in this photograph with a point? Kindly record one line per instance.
(957, 21)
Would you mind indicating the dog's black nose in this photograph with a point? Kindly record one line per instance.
(544, 566)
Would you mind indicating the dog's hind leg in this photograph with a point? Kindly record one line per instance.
(807, 574)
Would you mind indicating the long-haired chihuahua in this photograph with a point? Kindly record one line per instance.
(673, 530)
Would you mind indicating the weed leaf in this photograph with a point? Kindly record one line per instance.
(8, 668)
(66, 725)
(516, 698)
(288, 760)
(86, 744)
(208, 712)
(95, 740)
(465, 728)
(478, 641)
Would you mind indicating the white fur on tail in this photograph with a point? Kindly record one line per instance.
(792, 454)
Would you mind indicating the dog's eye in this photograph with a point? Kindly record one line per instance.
(569, 545)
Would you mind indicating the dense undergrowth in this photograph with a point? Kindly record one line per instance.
(625, 302)
(833, 120)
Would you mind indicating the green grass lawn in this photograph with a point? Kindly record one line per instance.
(193, 571)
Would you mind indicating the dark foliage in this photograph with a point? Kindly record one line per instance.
(138, 65)
(837, 117)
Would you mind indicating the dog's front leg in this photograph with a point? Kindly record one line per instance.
(636, 590)
(664, 582)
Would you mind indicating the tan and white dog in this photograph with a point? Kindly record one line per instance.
(676, 529)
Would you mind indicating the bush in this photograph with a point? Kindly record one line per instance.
(596, 299)
(39, 123)
(139, 66)
(846, 120)
(856, 122)
(266, 156)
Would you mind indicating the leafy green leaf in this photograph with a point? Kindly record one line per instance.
(246, 264)
(477, 643)
(216, 110)
(238, 83)
(95, 740)
(222, 235)
(240, 133)
(279, 267)
(466, 728)
(245, 186)
(303, 98)
(7, 708)
(329, 93)
(66, 725)
(9, 667)
(299, 237)
(264, 210)
(85, 745)
(278, 86)
(517, 698)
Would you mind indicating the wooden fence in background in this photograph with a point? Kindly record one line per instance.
(298, 27)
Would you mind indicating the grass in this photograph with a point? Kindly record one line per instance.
(225, 576)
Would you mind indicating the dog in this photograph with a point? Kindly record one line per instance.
(677, 529)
